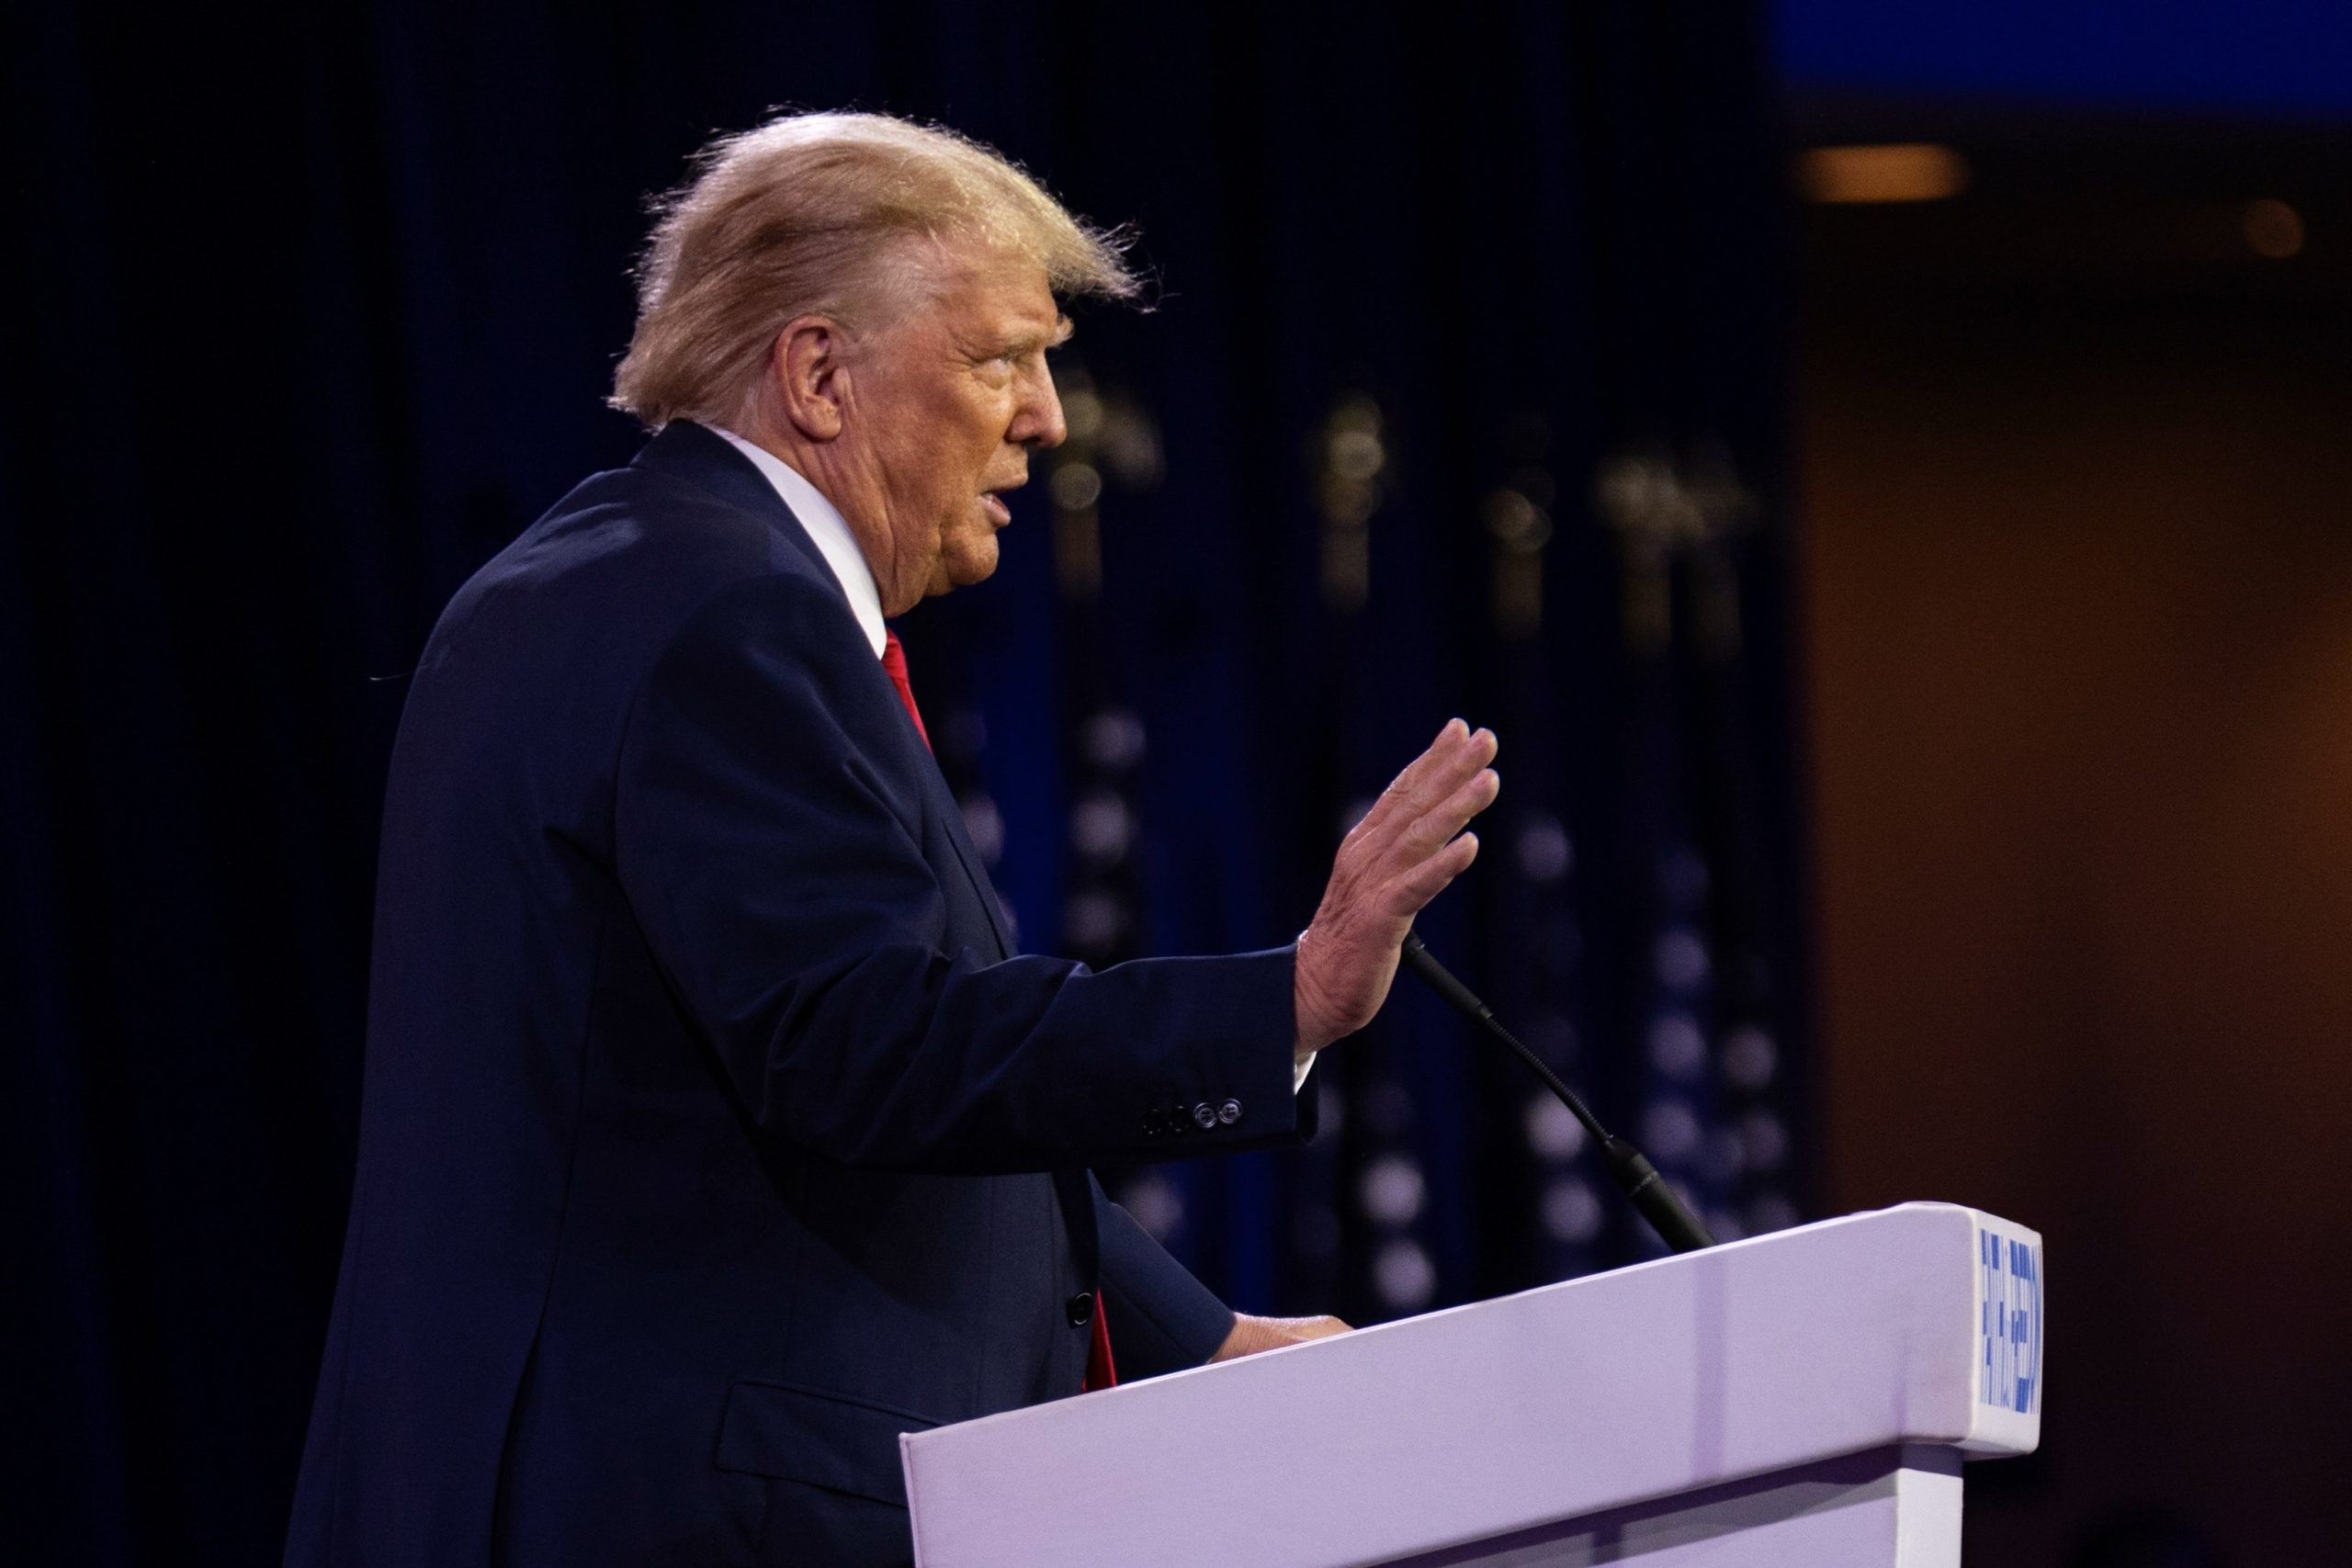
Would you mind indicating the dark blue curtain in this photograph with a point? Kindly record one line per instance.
(1460, 395)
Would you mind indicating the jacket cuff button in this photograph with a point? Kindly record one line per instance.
(1229, 1112)
(1204, 1114)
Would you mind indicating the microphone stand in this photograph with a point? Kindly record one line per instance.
(1628, 1167)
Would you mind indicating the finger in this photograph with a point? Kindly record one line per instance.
(1403, 794)
(1408, 893)
(1457, 753)
(1456, 770)
(1411, 892)
(1436, 829)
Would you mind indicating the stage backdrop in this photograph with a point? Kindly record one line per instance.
(1460, 395)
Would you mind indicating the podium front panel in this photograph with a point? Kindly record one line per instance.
(1432, 1434)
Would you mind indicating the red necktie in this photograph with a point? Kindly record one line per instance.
(1100, 1373)
(894, 659)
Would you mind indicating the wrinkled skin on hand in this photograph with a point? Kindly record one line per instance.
(1408, 848)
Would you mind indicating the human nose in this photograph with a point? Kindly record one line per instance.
(1040, 422)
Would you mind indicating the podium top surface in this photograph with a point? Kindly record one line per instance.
(1916, 1324)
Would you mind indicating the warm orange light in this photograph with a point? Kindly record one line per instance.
(2273, 229)
(1896, 171)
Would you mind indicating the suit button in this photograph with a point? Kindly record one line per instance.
(1152, 1125)
(1081, 1309)
(1204, 1113)
(1177, 1120)
(1229, 1112)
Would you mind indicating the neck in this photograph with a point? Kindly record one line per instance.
(828, 468)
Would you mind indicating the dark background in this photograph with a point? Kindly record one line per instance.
(2001, 873)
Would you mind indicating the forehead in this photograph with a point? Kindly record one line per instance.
(995, 294)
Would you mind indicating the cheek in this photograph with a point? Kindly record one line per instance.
(953, 471)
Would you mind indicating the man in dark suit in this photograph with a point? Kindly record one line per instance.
(712, 1132)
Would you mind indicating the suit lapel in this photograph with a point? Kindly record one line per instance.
(696, 454)
(967, 854)
(687, 449)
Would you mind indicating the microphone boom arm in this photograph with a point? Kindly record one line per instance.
(1628, 1167)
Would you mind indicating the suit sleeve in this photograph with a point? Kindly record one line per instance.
(790, 906)
(1162, 1319)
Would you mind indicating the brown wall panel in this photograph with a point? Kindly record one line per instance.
(2081, 647)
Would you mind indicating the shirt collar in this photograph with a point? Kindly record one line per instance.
(827, 528)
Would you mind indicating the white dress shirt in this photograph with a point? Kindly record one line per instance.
(829, 530)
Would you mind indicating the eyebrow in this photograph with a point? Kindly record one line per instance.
(1030, 343)
(1058, 335)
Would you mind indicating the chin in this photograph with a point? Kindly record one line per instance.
(962, 568)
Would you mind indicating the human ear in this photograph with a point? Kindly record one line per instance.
(811, 386)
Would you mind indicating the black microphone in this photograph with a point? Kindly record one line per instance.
(1628, 1167)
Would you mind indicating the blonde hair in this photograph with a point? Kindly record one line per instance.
(813, 213)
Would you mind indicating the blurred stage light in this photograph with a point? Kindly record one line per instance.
(1155, 1205)
(1670, 1131)
(1405, 1276)
(1896, 171)
(1077, 486)
(1093, 921)
(1749, 1058)
(1677, 1047)
(1102, 827)
(984, 825)
(1680, 958)
(1081, 405)
(1114, 740)
(1572, 1212)
(1553, 1130)
(2273, 229)
(1391, 1190)
(1545, 852)
(1764, 1141)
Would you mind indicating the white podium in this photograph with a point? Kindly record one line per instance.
(1803, 1400)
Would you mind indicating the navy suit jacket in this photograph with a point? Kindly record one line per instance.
(712, 1134)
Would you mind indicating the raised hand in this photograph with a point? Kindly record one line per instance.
(1409, 846)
